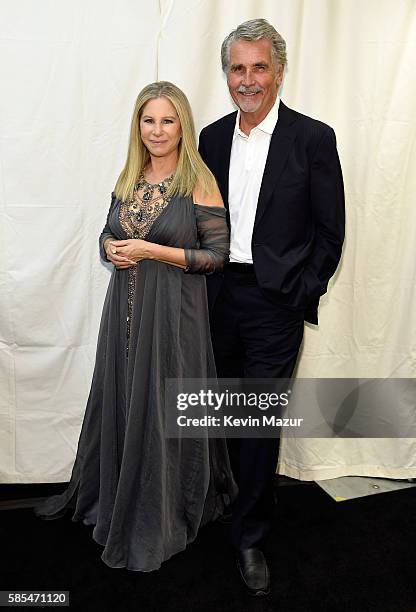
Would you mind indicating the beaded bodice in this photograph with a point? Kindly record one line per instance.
(148, 201)
(136, 218)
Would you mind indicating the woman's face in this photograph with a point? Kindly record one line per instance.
(160, 128)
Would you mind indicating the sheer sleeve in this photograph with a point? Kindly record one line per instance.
(214, 241)
(106, 233)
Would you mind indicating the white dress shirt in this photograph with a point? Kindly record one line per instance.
(247, 162)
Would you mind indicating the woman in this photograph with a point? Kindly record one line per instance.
(146, 494)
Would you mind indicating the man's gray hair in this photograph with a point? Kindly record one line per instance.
(255, 29)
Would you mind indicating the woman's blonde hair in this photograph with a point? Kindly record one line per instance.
(190, 169)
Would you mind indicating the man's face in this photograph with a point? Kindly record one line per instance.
(253, 79)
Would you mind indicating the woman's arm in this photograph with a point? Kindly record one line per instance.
(106, 237)
(135, 250)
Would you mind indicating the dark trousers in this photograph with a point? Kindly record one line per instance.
(253, 338)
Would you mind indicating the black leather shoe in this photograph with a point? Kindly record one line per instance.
(254, 571)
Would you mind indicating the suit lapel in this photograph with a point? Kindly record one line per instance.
(281, 142)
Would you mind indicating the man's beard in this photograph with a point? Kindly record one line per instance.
(249, 104)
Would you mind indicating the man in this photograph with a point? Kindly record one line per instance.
(280, 179)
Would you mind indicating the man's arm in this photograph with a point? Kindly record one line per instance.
(202, 146)
(328, 212)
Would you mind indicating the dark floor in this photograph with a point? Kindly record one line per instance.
(324, 556)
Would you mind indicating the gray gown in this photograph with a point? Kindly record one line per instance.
(145, 494)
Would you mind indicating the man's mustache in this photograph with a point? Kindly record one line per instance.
(246, 90)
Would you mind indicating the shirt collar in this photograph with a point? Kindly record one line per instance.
(267, 125)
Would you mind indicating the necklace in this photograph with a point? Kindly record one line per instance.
(150, 189)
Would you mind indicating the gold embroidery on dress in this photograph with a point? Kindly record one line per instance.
(136, 219)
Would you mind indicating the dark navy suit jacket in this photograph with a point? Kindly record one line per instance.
(299, 225)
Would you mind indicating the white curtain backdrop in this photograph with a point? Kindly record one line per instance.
(71, 70)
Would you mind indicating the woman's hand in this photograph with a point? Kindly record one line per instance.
(130, 251)
(115, 257)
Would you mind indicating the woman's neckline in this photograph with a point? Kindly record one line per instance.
(149, 168)
(164, 180)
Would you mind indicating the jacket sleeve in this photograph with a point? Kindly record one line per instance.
(213, 241)
(328, 210)
(106, 233)
(201, 146)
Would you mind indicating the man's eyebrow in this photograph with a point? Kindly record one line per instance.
(261, 64)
